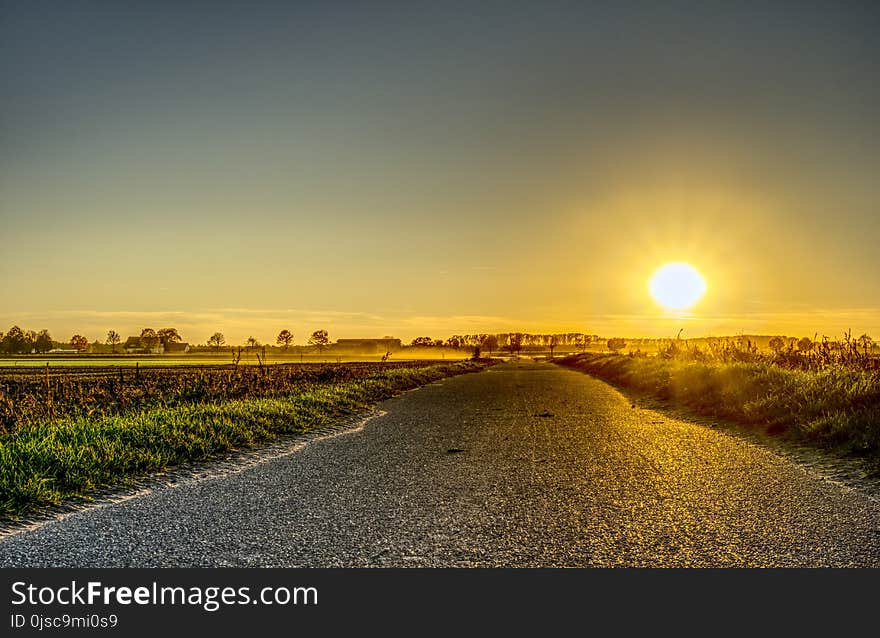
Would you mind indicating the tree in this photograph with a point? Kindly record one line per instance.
(285, 339)
(776, 344)
(14, 342)
(805, 345)
(43, 342)
(866, 342)
(422, 342)
(586, 340)
(113, 339)
(216, 340)
(168, 335)
(149, 339)
(252, 342)
(320, 339)
(616, 344)
(79, 342)
(514, 343)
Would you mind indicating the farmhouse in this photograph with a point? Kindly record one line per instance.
(133, 345)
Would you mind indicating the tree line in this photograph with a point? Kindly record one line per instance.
(285, 339)
(19, 341)
(509, 340)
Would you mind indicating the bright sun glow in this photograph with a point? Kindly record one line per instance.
(677, 286)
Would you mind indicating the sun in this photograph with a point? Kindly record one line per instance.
(677, 286)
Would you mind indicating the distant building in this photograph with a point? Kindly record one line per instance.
(133, 345)
(62, 351)
(368, 346)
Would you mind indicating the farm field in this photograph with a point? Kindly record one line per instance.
(34, 394)
(79, 361)
(67, 432)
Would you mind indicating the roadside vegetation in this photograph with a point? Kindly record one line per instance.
(31, 395)
(46, 460)
(823, 393)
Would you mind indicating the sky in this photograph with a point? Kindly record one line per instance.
(426, 168)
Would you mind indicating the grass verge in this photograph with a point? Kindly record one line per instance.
(836, 407)
(47, 463)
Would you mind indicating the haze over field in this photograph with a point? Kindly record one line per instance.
(426, 168)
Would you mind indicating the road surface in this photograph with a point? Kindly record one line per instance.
(525, 464)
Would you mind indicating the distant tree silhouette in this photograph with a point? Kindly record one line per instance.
(422, 342)
(14, 341)
(168, 335)
(805, 345)
(79, 342)
(216, 340)
(514, 343)
(149, 338)
(285, 338)
(319, 339)
(616, 344)
(252, 342)
(113, 339)
(776, 344)
(43, 342)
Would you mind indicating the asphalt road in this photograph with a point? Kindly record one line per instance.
(525, 464)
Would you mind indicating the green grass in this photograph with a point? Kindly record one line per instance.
(834, 407)
(47, 463)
